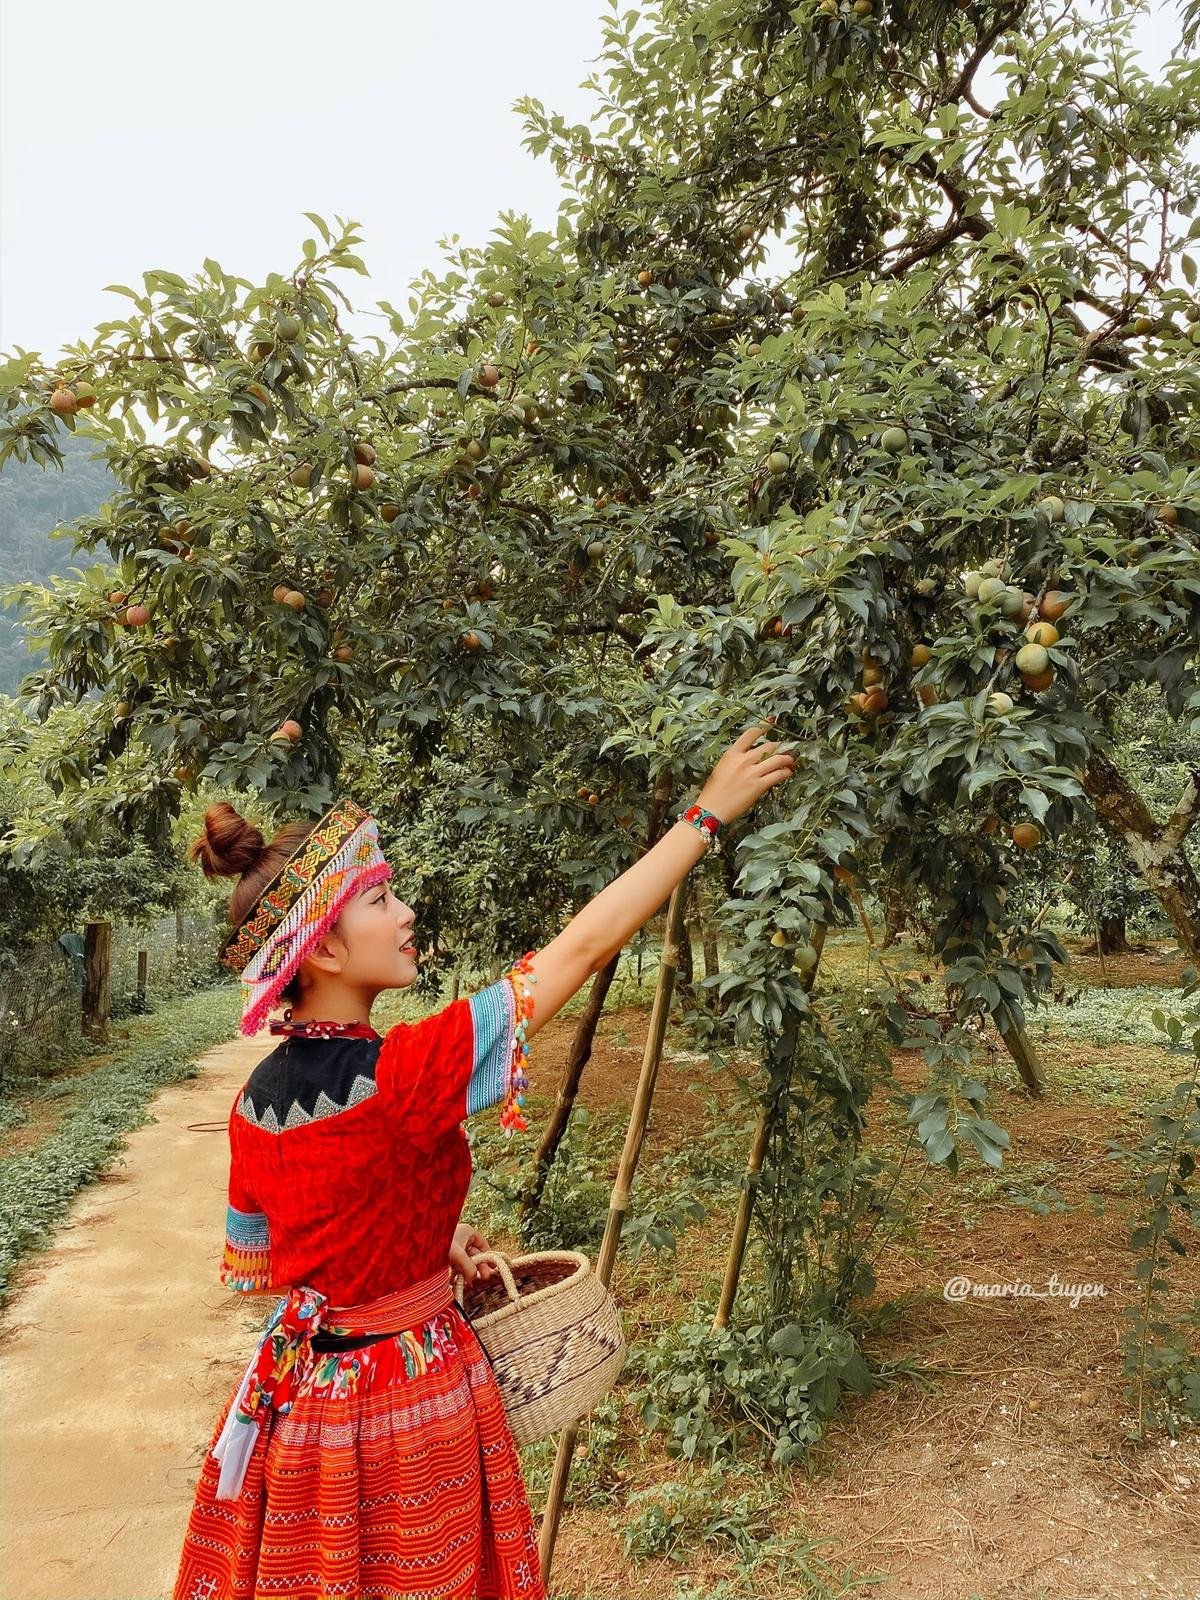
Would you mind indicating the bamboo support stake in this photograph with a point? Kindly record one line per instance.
(1041, 916)
(580, 1052)
(758, 1150)
(1100, 951)
(619, 1201)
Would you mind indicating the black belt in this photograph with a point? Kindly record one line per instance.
(331, 1341)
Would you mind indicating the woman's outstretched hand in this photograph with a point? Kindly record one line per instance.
(744, 774)
(468, 1241)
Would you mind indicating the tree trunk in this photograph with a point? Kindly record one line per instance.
(894, 911)
(1020, 1047)
(96, 947)
(712, 956)
(750, 1183)
(1157, 852)
(1112, 938)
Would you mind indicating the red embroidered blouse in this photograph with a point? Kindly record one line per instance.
(349, 1166)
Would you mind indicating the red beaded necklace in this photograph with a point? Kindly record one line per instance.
(311, 1028)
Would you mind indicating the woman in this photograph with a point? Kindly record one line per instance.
(366, 1451)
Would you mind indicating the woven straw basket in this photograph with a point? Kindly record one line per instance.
(552, 1333)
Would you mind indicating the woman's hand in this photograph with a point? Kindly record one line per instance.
(743, 775)
(468, 1241)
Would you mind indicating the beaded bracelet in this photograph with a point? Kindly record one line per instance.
(706, 823)
(521, 977)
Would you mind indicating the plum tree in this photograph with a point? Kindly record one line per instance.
(948, 439)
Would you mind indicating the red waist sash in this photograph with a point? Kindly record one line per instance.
(266, 1387)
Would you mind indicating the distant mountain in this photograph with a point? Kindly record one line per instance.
(34, 500)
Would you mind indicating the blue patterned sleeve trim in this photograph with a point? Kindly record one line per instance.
(246, 1264)
(494, 1016)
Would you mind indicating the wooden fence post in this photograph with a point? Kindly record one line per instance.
(141, 978)
(97, 944)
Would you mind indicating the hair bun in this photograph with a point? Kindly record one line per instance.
(229, 845)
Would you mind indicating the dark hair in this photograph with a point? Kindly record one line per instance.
(230, 845)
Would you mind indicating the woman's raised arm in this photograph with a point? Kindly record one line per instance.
(595, 934)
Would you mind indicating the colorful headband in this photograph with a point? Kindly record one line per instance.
(340, 857)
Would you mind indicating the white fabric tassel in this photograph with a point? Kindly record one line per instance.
(235, 1445)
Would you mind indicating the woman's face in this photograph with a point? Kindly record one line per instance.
(378, 928)
(370, 948)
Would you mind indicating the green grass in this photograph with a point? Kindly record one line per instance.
(1104, 1016)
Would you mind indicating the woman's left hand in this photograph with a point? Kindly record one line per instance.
(468, 1241)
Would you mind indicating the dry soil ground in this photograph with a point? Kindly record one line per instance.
(1008, 1477)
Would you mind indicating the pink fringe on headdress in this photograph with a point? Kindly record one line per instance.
(255, 1014)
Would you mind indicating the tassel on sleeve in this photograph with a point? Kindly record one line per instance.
(246, 1264)
(517, 1078)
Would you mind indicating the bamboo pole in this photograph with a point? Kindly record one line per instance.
(580, 1052)
(619, 1201)
(758, 1150)
(578, 1057)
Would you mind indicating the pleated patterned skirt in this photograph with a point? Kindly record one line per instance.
(393, 1474)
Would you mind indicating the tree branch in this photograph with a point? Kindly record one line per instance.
(1180, 822)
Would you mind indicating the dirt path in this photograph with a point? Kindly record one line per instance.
(117, 1348)
(1011, 1480)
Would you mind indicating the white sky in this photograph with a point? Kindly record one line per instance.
(137, 135)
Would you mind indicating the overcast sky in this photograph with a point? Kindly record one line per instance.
(137, 135)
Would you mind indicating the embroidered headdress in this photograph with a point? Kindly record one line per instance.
(304, 899)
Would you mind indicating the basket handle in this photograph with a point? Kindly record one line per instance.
(500, 1261)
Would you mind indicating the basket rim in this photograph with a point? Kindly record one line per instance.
(582, 1268)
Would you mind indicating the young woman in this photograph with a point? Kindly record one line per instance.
(365, 1451)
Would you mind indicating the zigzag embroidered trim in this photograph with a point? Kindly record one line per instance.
(361, 1089)
(522, 978)
(246, 1263)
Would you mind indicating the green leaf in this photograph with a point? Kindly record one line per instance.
(940, 1147)
(1035, 802)
(985, 1147)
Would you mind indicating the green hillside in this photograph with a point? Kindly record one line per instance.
(34, 500)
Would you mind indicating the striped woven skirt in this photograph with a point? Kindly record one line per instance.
(392, 1474)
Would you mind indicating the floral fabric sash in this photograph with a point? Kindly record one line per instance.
(265, 1391)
